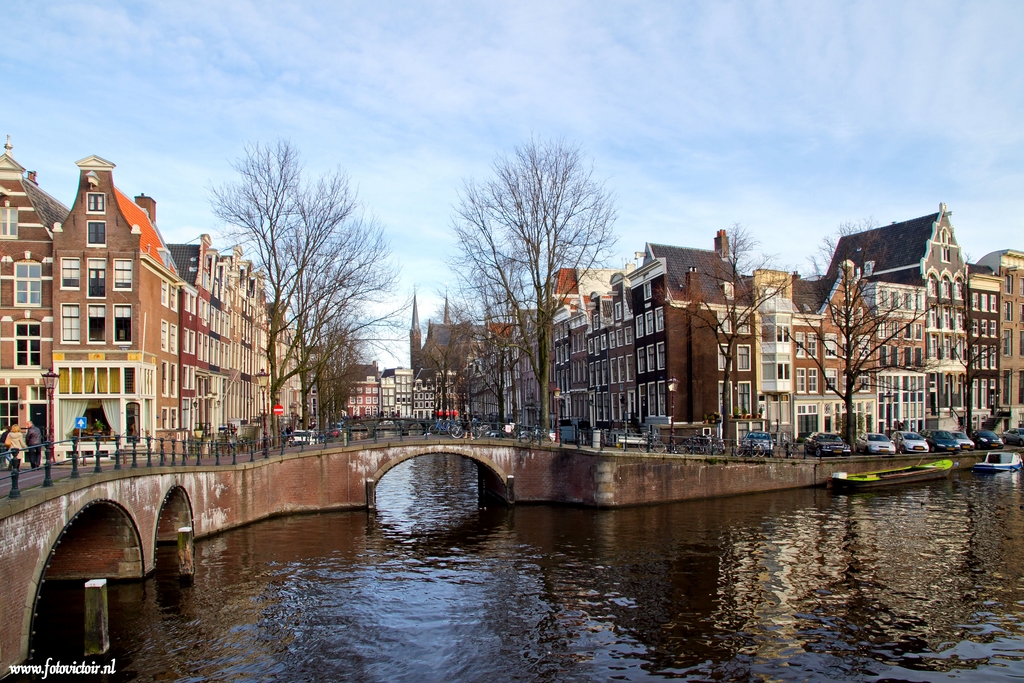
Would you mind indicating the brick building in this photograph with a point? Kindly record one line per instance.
(1008, 264)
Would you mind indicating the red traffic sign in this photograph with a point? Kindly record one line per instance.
(279, 409)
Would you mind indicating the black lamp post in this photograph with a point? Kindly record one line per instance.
(558, 396)
(673, 386)
(263, 379)
(888, 411)
(50, 380)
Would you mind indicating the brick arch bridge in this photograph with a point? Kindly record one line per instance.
(108, 524)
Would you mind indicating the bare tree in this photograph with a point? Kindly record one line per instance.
(322, 259)
(541, 211)
(863, 326)
(739, 289)
(447, 353)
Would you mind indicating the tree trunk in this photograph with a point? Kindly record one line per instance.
(851, 420)
(726, 395)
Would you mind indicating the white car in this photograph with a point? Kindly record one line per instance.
(875, 444)
(909, 442)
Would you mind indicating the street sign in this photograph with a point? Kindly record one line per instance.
(279, 409)
(80, 423)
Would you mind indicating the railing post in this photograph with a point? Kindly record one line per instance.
(234, 461)
(266, 448)
(74, 458)
(216, 451)
(15, 473)
(47, 479)
(199, 453)
(282, 445)
(163, 459)
(135, 452)
(252, 455)
(117, 451)
(97, 468)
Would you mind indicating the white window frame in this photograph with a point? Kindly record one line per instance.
(65, 309)
(99, 206)
(95, 245)
(8, 222)
(64, 266)
(33, 285)
(119, 283)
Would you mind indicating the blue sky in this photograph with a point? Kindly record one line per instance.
(789, 118)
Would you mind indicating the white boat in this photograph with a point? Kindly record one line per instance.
(999, 462)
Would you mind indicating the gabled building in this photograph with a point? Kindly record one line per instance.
(28, 216)
(117, 354)
(1008, 264)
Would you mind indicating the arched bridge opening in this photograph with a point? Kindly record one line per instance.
(175, 513)
(492, 480)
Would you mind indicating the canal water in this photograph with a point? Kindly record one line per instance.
(923, 583)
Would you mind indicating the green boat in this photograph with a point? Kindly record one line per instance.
(939, 469)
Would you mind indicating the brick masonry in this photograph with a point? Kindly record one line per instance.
(113, 520)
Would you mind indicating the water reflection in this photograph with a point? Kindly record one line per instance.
(922, 583)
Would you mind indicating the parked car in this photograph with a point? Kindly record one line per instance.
(822, 444)
(965, 441)
(909, 442)
(986, 439)
(941, 441)
(1013, 437)
(756, 443)
(304, 436)
(875, 444)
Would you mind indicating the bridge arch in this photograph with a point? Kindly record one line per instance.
(493, 476)
(175, 512)
(101, 540)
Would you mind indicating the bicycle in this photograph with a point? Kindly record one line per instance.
(477, 429)
(450, 427)
(650, 443)
(706, 445)
(531, 434)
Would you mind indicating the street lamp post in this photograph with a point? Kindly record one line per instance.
(263, 379)
(50, 380)
(673, 386)
(888, 411)
(558, 434)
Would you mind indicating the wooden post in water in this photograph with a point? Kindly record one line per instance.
(97, 631)
(510, 489)
(186, 557)
(371, 495)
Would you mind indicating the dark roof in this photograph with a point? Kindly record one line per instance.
(898, 245)
(976, 269)
(186, 257)
(362, 371)
(681, 260)
(808, 295)
(48, 209)
(390, 372)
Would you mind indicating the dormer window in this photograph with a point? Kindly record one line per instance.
(96, 202)
(9, 222)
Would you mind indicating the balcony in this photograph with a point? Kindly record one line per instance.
(776, 386)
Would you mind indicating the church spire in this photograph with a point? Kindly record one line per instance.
(415, 315)
(447, 315)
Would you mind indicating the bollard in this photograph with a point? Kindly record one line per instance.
(135, 452)
(117, 452)
(97, 632)
(15, 473)
(74, 458)
(371, 495)
(97, 468)
(510, 488)
(186, 556)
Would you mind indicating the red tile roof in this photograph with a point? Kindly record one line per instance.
(149, 241)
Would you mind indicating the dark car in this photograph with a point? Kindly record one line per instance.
(824, 444)
(756, 443)
(1013, 437)
(941, 441)
(987, 439)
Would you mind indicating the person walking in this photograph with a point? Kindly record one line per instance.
(15, 442)
(4, 451)
(33, 439)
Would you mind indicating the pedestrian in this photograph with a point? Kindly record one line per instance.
(16, 442)
(33, 439)
(3, 446)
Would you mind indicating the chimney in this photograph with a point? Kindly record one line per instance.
(148, 205)
(692, 281)
(722, 244)
(32, 177)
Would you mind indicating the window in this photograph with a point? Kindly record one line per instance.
(807, 420)
(782, 371)
(618, 310)
(122, 274)
(1020, 345)
(659, 319)
(163, 294)
(163, 378)
(629, 335)
(174, 301)
(97, 323)
(8, 222)
(97, 277)
(781, 333)
(830, 379)
(743, 396)
(801, 380)
(661, 355)
(1008, 311)
(831, 345)
(96, 202)
(1007, 342)
(801, 348)
(649, 317)
(28, 284)
(122, 323)
(8, 404)
(163, 335)
(639, 326)
(650, 358)
(174, 379)
(29, 343)
(97, 233)
(70, 273)
(743, 357)
(812, 380)
(71, 323)
(641, 364)
(647, 290)
(723, 359)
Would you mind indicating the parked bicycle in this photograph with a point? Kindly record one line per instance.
(531, 434)
(450, 427)
(477, 429)
(650, 443)
(704, 445)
